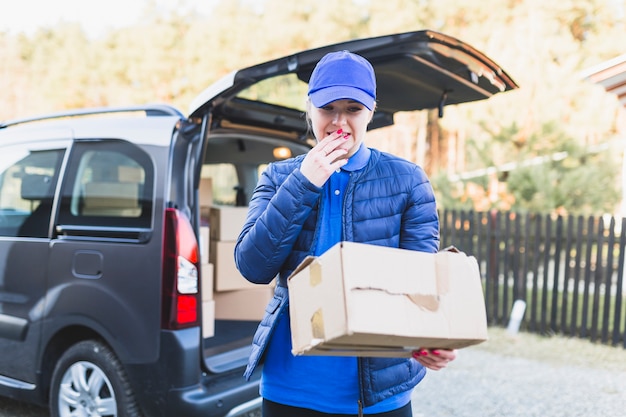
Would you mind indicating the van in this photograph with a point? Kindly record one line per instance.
(118, 291)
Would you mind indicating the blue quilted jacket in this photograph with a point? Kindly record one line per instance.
(390, 202)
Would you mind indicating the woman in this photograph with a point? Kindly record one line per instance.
(340, 190)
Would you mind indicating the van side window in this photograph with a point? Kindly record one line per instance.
(27, 183)
(110, 183)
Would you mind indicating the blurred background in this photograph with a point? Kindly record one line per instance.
(555, 145)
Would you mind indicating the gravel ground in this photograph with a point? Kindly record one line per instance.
(507, 376)
(527, 375)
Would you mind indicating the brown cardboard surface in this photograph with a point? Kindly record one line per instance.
(205, 214)
(226, 276)
(248, 304)
(204, 243)
(208, 318)
(130, 174)
(226, 222)
(206, 270)
(111, 195)
(366, 300)
(205, 192)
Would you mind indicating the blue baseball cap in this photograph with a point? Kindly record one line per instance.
(343, 75)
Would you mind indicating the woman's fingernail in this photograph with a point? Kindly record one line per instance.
(339, 131)
(436, 352)
(424, 352)
(345, 136)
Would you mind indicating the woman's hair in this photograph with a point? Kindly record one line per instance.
(307, 116)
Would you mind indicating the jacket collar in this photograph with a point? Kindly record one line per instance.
(358, 160)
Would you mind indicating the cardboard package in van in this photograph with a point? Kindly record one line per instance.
(226, 222)
(364, 300)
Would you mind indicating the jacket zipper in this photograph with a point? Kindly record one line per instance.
(361, 394)
(358, 360)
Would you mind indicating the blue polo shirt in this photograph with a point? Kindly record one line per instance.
(323, 383)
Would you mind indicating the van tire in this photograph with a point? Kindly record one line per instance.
(91, 362)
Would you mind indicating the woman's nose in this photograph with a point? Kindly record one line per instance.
(339, 118)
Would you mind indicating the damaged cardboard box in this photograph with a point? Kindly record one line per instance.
(364, 300)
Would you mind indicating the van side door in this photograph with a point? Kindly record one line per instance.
(29, 173)
(105, 261)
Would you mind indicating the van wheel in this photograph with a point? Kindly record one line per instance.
(89, 380)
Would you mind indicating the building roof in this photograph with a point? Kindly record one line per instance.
(611, 75)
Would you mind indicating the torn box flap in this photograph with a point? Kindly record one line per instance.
(305, 262)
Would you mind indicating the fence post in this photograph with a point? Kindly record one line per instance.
(556, 273)
(617, 317)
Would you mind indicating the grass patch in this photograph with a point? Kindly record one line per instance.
(567, 351)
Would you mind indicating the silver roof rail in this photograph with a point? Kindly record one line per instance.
(150, 110)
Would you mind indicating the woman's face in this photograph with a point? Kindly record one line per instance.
(348, 115)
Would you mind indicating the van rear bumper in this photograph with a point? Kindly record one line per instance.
(239, 401)
(177, 385)
(249, 409)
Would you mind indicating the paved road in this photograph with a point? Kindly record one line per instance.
(522, 376)
(527, 376)
(10, 408)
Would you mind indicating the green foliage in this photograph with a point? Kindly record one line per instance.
(583, 182)
(451, 195)
(549, 171)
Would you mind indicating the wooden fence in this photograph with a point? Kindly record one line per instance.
(569, 270)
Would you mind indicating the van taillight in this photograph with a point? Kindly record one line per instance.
(180, 273)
